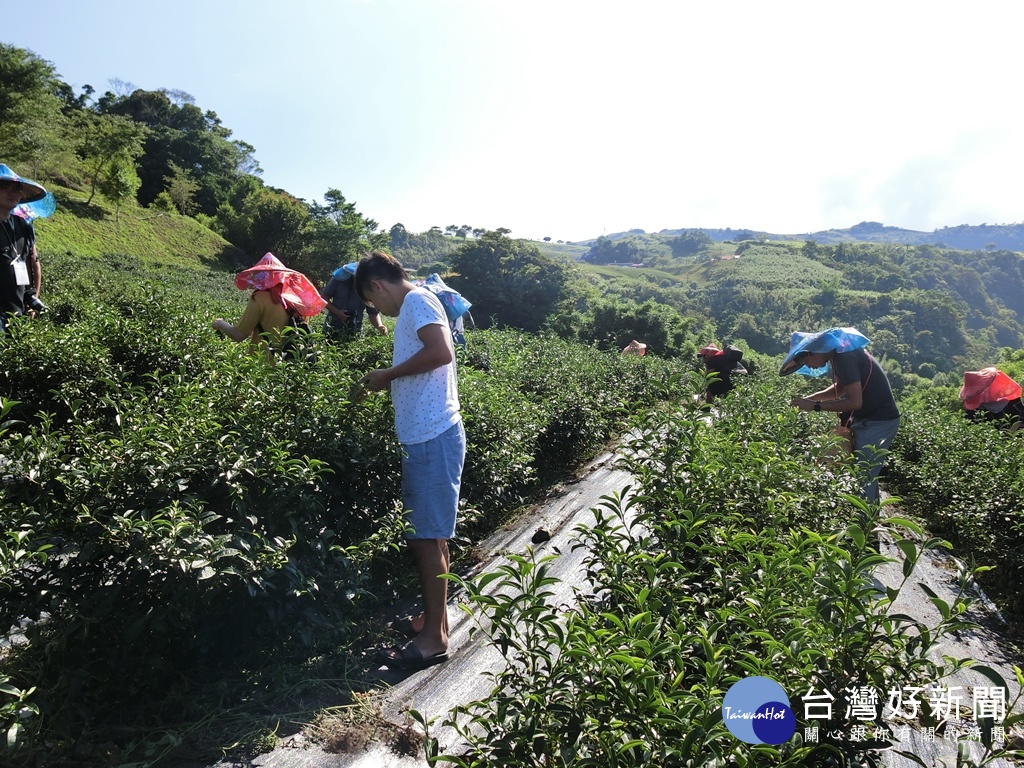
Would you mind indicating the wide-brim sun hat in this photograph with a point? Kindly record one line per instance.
(989, 385)
(454, 303)
(30, 190)
(346, 271)
(297, 291)
(801, 345)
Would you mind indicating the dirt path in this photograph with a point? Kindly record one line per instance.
(938, 571)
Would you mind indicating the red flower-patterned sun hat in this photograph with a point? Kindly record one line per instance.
(294, 288)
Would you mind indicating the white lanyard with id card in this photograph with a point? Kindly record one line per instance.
(20, 270)
(19, 264)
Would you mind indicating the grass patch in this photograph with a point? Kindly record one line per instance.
(96, 229)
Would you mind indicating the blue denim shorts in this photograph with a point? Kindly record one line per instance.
(431, 477)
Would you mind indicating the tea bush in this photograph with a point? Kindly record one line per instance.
(736, 554)
(966, 479)
(173, 506)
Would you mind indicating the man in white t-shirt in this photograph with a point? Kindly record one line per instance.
(425, 395)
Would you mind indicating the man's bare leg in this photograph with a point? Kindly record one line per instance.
(416, 620)
(432, 562)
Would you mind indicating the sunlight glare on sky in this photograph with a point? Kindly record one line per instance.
(575, 118)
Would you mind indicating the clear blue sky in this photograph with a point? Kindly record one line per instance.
(573, 118)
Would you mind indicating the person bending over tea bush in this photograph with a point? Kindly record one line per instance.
(428, 421)
(281, 297)
(344, 318)
(860, 394)
(992, 395)
(724, 363)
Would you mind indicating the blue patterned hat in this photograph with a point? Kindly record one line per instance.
(803, 344)
(30, 190)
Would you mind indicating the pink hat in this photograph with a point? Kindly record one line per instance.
(710, 351)
(988, 385)
(635, 348)
(293, 288)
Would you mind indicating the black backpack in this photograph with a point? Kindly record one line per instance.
(733, 354)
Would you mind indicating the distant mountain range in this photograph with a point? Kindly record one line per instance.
(1007, 237)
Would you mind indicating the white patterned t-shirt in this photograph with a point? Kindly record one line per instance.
(426, 404)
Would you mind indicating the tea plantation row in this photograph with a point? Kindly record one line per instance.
(172, 507)
(740, 551)
(173, 512)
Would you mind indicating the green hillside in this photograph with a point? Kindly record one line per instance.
(98, 229)
(931, 312)
(569, 251)
(770, 266)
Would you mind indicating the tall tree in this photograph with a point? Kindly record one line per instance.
(266, 220)
(399, 236)
(613, 323)
(181, 189)
(608, 251)
(119, 182)
(105, 138)
(31, 120)
(182, 133)
(335, 234)
(689, 242)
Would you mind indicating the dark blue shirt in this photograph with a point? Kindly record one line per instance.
(860, 368)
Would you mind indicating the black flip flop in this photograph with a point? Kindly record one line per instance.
(403, 626)
(409, 656)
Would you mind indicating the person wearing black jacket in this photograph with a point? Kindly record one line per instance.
(20, 275)
(723, 363)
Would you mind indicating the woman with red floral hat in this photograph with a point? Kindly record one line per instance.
(278, 294)
(991, 394)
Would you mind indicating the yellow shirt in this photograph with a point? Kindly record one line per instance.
(263, 312)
